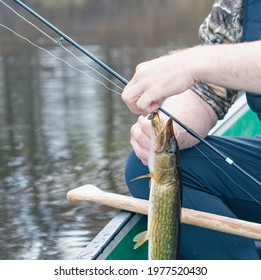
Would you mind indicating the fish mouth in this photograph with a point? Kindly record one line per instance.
(164, 134)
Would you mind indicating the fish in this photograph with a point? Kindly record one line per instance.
(165, 200)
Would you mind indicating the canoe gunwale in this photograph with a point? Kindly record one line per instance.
(101, 246)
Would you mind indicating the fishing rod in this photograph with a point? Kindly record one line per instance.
(71, 41)
(125, 82)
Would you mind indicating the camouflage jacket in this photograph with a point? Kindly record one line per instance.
(223, 25)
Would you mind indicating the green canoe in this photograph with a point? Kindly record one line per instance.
(114, 242)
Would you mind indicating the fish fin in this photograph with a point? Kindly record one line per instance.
(140, 239)
(142, 177)
(139, 236)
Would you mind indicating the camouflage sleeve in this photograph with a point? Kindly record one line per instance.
(223, 25)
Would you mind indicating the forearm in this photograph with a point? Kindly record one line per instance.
(234, 66)
(192, 111)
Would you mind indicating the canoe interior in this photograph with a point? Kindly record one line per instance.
(115, 241)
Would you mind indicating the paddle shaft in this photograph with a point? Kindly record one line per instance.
(188, 216)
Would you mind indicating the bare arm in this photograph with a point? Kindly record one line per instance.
(192, 111)
(170, 75)
(187, 107)
(235, 66)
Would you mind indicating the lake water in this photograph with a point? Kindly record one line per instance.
(60, 129)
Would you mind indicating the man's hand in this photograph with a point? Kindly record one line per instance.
(190, 109)
(156, 80)
(234, 66)
(140, 138)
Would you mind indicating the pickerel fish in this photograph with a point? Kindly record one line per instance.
(165, 193)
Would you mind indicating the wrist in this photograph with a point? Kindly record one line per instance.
(199, 63)
(192, 61)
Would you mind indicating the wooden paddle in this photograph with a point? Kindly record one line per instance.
(189, 216)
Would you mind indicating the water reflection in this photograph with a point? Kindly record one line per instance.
(58, 130)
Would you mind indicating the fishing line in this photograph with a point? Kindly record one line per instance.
(190, 145)
(56, 57)
(72, 42)
(223, 171)
(124, 81)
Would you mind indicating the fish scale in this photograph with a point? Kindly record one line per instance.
(165, 193)
(164, 220)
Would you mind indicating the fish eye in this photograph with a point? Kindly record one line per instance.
(172, 151)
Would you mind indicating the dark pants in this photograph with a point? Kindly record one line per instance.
(212, 185)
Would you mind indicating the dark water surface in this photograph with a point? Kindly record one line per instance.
(60, 129)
